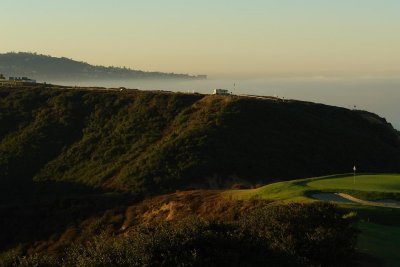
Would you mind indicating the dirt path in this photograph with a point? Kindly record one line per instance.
(345, 198)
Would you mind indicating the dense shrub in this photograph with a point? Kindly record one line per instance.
(152, 142)
(286, 235)
(319, 233)
(191, 242)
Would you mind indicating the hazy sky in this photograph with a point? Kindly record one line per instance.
(258, 37)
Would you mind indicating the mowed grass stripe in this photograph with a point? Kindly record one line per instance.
(376, 183)
(366, 186)
(380, 231)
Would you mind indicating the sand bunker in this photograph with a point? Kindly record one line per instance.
(345, 198)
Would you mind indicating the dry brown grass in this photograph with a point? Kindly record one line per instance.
(208, 204)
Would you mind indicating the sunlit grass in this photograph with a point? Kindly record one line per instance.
(380, 233)
(377, 183)
(367, 187)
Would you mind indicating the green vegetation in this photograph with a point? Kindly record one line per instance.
(368, 187)
(77, 163)
(379, 233)
(377, 183)
(292, 235)
(151, 142)
(379, 226)
(380, 240)
(46, 68)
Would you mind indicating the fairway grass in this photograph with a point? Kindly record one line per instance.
(375, 183)
(380, 241)
(380, 226)
(366, 187)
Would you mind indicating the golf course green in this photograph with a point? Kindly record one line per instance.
(379, 226)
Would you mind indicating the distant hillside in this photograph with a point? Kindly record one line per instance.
(150, 142)
(42, 67)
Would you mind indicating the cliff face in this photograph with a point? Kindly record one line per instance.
(152, 142)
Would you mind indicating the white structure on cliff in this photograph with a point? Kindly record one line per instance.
(221, 92)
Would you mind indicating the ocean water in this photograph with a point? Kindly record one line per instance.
(380, 95)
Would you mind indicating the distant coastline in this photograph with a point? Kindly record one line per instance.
(44, 67)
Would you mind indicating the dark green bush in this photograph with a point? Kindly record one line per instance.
(319, 233)
(191, 242)
(286, 235)
(152, 142)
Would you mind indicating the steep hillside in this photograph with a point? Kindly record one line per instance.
(196, 228)
(151, 142)
(46, 68)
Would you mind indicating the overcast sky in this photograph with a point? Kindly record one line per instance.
(254, 37)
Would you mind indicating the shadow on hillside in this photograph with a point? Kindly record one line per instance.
(367, 260)
(35, 211)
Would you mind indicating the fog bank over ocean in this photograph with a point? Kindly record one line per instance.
(380, 95)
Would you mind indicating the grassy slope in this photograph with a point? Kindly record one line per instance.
(152, 142)
(380, 228)
(382, 241)
(379, 183)
(368, 187)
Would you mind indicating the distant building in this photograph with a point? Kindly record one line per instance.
(13, 81)
(221, 92)
(22, 79)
